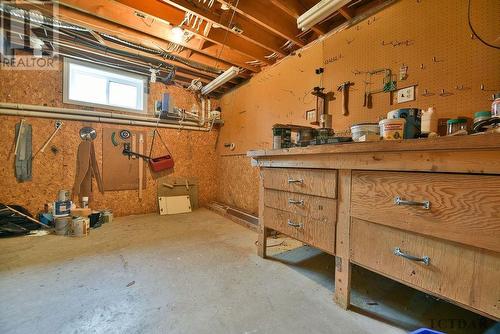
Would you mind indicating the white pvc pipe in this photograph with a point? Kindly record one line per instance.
(95, 118)
(203, 108)
(86, 113)
(209, 109)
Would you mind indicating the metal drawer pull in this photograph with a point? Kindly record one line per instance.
(292, 224)
(297, 202)
(425, 259)
(425, 204)
(290, 180)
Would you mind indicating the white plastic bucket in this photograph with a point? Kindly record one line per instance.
(392, 129)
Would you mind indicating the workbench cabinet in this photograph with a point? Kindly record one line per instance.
(423, 212)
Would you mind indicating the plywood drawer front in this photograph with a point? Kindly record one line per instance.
(317, 233)
(317, 182)
(320, 208)
(464, 274)
(463, 208)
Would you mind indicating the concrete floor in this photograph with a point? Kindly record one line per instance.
(191, 273)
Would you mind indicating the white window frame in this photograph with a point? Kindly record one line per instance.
(141, 90)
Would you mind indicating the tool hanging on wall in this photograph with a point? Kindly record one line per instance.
(141, 163)
(125, 134)
(23, 151)
(58, 126)
(86, 165)
(388, 86)
(344, 88)
(88, 133)
(157, 164)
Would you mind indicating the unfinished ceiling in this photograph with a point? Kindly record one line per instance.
(215, 35)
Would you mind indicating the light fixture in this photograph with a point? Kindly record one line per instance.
(176, 34)
(319, 12)
(229, 74)
(224, 6)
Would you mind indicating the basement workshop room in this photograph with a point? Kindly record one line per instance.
(250, 166)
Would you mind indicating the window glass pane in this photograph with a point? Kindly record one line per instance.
(123, 95)
(96, 85)
(86, 87)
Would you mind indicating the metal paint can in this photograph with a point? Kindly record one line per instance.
(63, 196)
(413, 119)
(62, 208)
(62, 225)
(106, 216)
(80, 227)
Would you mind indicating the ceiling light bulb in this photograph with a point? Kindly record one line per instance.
(176, 34)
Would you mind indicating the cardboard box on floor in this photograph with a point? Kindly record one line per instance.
(176, 186)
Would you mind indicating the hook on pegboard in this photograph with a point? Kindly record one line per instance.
(426, 93)
(488, 90)
(444, 93)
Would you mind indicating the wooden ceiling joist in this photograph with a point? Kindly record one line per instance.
(258, 11)
(346, 12)
(251, 32)
(124, 20)
(175, 15)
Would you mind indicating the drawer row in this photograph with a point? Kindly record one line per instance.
(466, 275)
(417, 228)
(460, 208)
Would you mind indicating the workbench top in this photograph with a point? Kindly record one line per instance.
(477, 142)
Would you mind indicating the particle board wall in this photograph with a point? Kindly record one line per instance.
(237, 183)
(193, 151)
(416, 31)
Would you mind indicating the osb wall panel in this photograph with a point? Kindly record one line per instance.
(237, 184)
(419, 31)
(194, 152)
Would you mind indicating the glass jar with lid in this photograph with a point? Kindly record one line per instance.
(455, 125)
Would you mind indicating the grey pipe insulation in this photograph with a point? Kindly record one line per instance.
(74, 31)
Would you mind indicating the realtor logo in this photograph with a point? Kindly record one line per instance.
(28, 35)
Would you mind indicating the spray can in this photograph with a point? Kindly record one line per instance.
(495, 106)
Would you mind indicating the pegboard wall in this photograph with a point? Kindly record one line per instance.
(432, 33)
(432, 38)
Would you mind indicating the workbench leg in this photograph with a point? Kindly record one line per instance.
(263, 231)
(342, 282)
(262, 242)
(342, 247)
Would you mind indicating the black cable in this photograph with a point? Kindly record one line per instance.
(474, 32)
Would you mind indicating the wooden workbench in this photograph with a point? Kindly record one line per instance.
(424, 212)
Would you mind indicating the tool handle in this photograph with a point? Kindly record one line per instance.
(344, 102)
(50, 139)
(130, 154)
(18, 137)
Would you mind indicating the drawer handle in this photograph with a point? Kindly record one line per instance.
(292, 224)
(425, 259)
(425, 204)
(290, 180)
(296, 202)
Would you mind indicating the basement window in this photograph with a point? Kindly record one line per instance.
(92, 85)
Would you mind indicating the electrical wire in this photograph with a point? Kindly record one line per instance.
(227, 32)
(474, 31)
